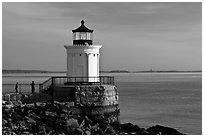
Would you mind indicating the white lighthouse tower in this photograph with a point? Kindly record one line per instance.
(83, 56)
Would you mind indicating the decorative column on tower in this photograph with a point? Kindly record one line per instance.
(83, 56)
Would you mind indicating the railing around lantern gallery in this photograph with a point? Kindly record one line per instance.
(83, 80)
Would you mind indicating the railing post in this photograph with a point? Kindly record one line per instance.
(52, 88)
(20, 88)
(40, 87)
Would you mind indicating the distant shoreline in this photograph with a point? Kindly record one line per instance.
(159, 71)
(112, 71)
(30, 71)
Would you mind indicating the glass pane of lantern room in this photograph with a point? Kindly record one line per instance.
(77, 36)
(82, 35)
(88, 36)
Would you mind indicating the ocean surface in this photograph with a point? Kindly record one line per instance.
(147, 99)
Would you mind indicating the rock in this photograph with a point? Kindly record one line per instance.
(34, 129)
(4, 122)
(142, 131)
(16, 116)
(17, 103)
(56, 119)
(70, 104)
(127, 127)
(99, 132)
(96, 130)
(89, 93)
(87, 121)
(161, 130)
(24, 98)
(30, 120)
(30, 105)
(95, 127)
(81, 121)
(72, 122)
(52, 114)
(75, 111)
(109, 131)
(13, 97)
(63, 116)
(88, 132)
(78, 131)
(7, 111)
(65, 109)
(101, 119)
(18, 97)
(4, 102)
(6, 97)
(26, 133)
(8, 104)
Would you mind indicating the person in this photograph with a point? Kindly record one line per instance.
(32, 87)
(16, 88)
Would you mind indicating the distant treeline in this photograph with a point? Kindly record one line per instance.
(160, 71)
(31, 71)
(112, 71)
(149, 71)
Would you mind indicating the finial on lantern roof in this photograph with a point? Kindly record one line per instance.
(82, 22)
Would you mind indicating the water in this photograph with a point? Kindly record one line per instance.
(147, 99)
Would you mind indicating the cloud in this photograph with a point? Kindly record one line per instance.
(145, 32)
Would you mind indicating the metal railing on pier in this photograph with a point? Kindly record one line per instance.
(59, 81)
(75, 81)
(23, 88)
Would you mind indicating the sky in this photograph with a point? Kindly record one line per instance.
(134, 36)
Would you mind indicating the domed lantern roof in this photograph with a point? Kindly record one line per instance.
(82, 28)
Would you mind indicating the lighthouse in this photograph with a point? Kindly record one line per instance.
(83, 56)
(82, 88)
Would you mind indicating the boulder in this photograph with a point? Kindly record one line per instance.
(161, 130)
(87, 132)
(78, 131)
(6, 97)
(17, 103)
(18, 97)
(109, 130)
(81, 121)
(72, 122)
(34, 129)
(129, 128)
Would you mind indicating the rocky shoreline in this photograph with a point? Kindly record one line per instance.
(58, 118)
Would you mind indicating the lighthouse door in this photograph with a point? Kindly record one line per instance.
(80, 74)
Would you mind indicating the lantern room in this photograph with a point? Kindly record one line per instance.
(82, 35)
